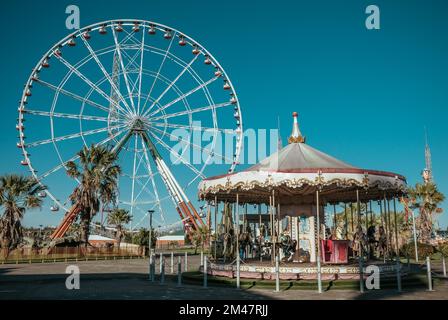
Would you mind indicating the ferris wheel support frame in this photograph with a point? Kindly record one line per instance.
(183, 206)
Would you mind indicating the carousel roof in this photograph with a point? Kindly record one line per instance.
(298, 156)
(296, 172)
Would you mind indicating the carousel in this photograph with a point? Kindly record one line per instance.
(281, 213)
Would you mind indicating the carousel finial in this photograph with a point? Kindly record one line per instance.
(296, 136)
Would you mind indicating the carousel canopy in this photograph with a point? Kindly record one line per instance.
(296, 172)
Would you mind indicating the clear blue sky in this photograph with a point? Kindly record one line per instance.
(363, 96)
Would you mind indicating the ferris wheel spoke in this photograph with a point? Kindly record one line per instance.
(73, 136)
(183, 96)
(145, 215)
(212, 153)
(143, 187)
(65, 115)
(125, 75)
(174, 153)
(90, 83)
(188, 112)
(171, 84)
(159, 70)
(191, 127)
(106, 74)
(72, 95)
(63, 164)
(151, 174)
(142, 53)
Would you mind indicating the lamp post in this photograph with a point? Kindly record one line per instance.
(150, 230)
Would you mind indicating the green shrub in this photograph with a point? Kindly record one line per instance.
(443, 249)
(424, 250)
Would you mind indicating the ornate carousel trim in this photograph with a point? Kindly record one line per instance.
(319, 180)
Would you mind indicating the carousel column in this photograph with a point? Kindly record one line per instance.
(345, 221)
(367, 217)
(275, 224)
(371, 213)
(319, 279)
(334, 219)
(271, 229)
(358, 209)
(216, 228)
(389, 225)
(351, 217)
(260, 235)
(237, 213)
(385, 223)
(397, 248)
(245, 225)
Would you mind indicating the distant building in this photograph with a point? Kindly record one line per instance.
(100, 241)
(170, 241)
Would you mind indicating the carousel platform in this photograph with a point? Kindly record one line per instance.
(265, 270)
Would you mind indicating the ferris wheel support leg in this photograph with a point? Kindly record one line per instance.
(171, 182)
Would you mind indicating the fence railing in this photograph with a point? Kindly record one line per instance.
(30, 255)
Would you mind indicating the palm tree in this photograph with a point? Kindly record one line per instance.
(98, 176)
(199, 237)
(75, 231)
(425, 197)
(17, 194)
(119, 217)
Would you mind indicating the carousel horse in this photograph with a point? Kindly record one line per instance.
(382, 243)
(244, 240)
(371, 240)
(266, 248)
(288, 246)
(228, 248)
(359, 242)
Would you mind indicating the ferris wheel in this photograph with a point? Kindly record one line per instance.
(149, 92)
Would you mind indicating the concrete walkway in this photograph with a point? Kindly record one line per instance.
(127, 279)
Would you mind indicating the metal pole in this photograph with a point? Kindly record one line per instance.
(172, 263)
(153, 267)
(151, 258)
(361, 274)
(150, 230)
(415, 236)
(237, 243)
(162, 270)
(398, 274)
(319, 276)
(179, 271)
(444, 266)
(202, 258)
(161, 263)
(205, 272)
(428, 268)
(150, 265)
(277, 274)
(186, 262)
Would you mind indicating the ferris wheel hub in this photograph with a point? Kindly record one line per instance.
(139, 124)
